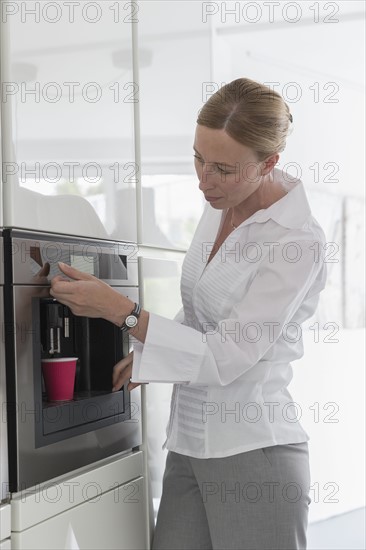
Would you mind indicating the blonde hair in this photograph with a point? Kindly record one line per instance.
(250, 113)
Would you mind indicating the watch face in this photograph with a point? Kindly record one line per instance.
(131, 321)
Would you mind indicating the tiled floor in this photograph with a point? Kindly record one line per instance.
(343, 532)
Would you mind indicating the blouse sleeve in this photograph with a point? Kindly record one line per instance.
(221, 353)
(179, 318)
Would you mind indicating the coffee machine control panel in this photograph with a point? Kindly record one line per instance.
(36, 259)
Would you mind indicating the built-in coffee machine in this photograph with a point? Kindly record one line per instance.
(4, 476)
(49, 438)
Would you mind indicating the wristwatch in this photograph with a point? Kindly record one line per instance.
(131, 319)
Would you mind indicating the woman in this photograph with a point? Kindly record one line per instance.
(237, 471)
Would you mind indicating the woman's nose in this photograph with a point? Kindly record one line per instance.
(206, 176)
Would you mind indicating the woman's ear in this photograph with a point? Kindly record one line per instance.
(269, 164)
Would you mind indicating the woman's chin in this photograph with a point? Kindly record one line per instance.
(216, 203)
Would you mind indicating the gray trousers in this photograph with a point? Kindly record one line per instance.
(256, 500)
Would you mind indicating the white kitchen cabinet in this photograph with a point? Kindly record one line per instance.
(160, 273)
(1, 177)
(115, 519)
(5, 527)
(171, 36)
(102, 507)
(68, 110)
(174, 64)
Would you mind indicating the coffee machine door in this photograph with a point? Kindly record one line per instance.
(53, 439)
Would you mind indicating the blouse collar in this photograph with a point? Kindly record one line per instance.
(291, 211)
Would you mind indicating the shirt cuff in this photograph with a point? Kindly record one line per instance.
(172, 353)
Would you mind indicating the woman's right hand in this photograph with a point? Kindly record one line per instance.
(122, 372)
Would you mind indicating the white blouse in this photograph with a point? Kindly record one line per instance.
(229, 349)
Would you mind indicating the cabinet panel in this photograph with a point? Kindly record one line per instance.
(68, 118)
(113, 520)
(160, 278)
(35, 506)
(171, 35)
(160, 281)
(174, 62)
(4, 521)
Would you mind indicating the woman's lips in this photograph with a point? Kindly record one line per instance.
(212, 199)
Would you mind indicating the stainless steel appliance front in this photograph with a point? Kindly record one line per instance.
(4, 475)
(49, 439)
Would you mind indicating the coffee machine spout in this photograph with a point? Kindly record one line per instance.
(55, 349)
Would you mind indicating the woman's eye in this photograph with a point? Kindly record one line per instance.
(222, 171)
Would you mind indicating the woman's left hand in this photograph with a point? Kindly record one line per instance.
(122, 372)
(87, 295)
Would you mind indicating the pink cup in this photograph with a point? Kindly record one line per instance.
(59, 378)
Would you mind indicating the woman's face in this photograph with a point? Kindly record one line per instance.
(228, 171)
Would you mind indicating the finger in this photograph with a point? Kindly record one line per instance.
(122, 371)
(63, 300)
(58, 278)
(123, 377)
(61, 288)
(124, 362)
(74, 273)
